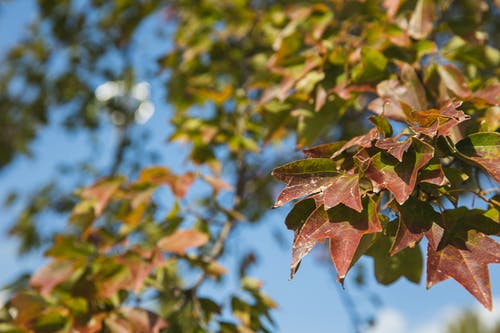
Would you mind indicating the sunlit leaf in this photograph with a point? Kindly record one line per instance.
(182, 240)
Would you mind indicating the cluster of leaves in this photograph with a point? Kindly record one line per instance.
(243, 74)
(446, 140)
(119, 265)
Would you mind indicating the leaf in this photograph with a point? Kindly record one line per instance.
(466, 261)
(309, 166)
(415, 218)
(399, 178)
(433, 174)
(158, 175)
(348, 227)
(52, 274)
(483, 149)
(298, 187)
(364, 140)
(373, 66)
(101, 192)
(488, 95)
(181, 240)
(299, 213)
(389, 268)
(454, 80)
(324, 150)
(142, 320)
(394, 147)
(343, 189)
(382, 124)
(421, 21)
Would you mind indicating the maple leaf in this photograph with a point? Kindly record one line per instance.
(482, 149)
(343, 189)
(101, 192)
(433, 174)
(415, 218)
(465, 260)
(364, 140)
(394, 147)
(399, 178)
(344, 228)
(304, 177)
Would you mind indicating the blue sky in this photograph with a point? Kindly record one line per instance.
(309, 303)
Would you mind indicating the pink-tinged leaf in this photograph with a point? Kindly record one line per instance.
(430, 131)
(301, 186)
(343, 189)
(488, 95)
(362, 140)
(316, 228)
(466, 261)
(182, 240)
(348, 227)
(415, 218)
(399, 178)
(101, 192)
(142, 320)
(49, 276)
(396, 100)
(482, 149)
(394, 147)
(454, 80)
(422, 19)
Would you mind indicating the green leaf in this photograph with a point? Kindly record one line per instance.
(373, 66)
(482, 149)
(299, 214)
(311, 166)
(388, 269)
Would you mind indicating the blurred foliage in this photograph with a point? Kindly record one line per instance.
(244, 77)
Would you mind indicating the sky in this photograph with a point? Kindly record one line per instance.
(311, 302)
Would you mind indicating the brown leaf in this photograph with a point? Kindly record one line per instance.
(343, 189)
(483, 149)
(52, 274)
(181, 240)
(163, 176)
(466, 261)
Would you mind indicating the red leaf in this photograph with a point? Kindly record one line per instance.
(347, 231)
(399, 177)
(343, 189)
(298, 187)
(466, 261)
(181, 240)
(394, 147)
(343, 226)
(49, 276)
(362, 140)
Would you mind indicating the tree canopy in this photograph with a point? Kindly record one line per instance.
(394, 105)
